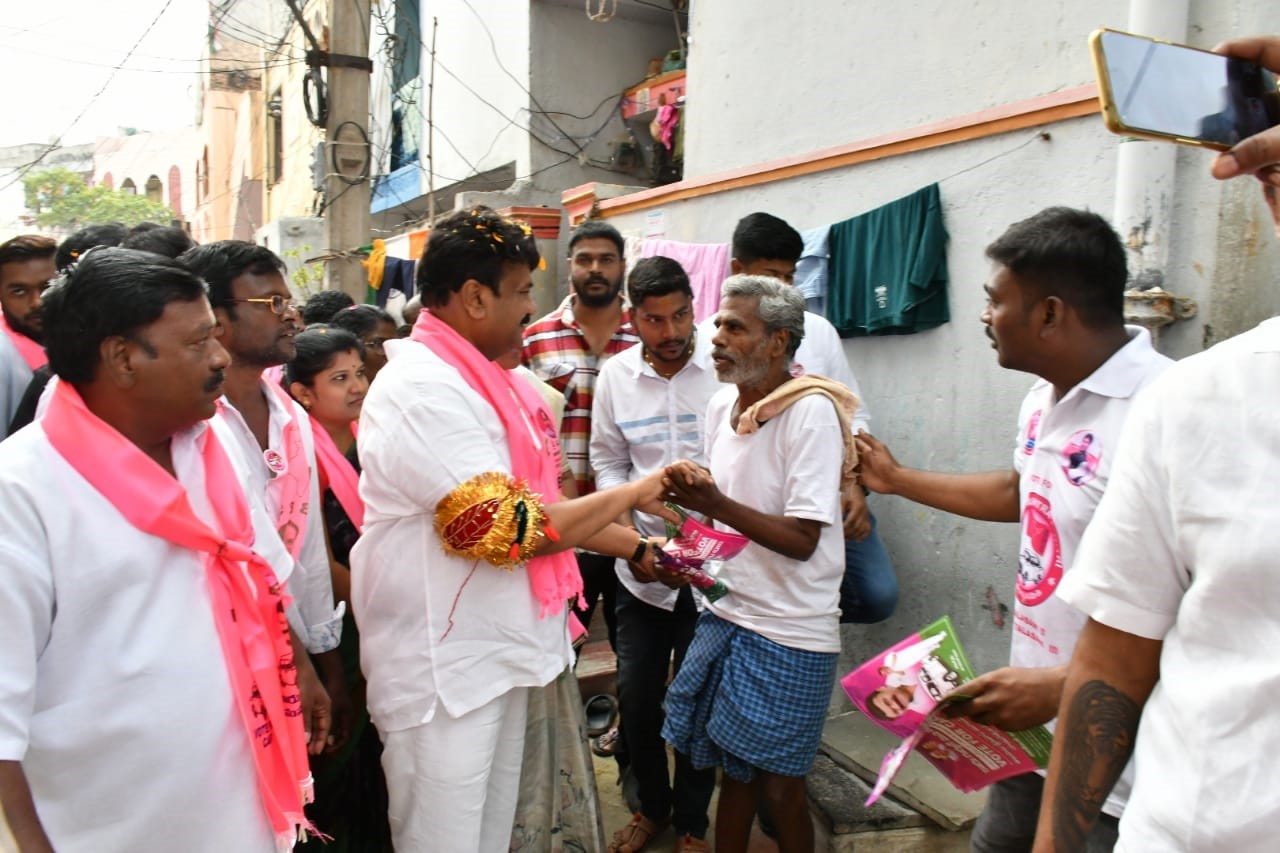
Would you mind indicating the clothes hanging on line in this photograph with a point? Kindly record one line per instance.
(707, 265)
(888, 268)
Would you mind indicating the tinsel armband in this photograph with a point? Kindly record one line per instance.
(491, 517)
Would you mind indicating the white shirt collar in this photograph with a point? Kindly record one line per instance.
(1120, 375)
(700, 360)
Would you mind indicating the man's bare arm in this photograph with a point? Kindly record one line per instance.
(986, 496)
(20, 810)
(1111, 675)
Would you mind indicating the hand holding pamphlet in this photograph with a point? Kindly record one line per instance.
(903, 690)
(691, 545)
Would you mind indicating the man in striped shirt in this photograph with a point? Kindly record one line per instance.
(566, 349)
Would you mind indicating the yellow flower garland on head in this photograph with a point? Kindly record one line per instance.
(491, 517)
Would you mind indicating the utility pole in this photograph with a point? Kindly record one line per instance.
(347, 186)
(431, 130)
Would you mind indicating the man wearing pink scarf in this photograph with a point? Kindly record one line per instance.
(26, 266)
(148, 686)
(461, 581)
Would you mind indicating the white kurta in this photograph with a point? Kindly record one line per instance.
(312, 614)
(1183, 548)
(113, 690)
(437, 632)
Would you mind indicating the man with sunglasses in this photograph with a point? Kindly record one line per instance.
(257, 321)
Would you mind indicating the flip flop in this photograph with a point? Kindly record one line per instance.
(600, 712)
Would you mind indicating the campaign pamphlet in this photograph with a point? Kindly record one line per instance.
(904, 689)
(693, 544)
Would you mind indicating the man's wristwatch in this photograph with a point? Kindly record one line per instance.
(641, 547)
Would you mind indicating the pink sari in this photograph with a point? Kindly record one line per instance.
(338, 475)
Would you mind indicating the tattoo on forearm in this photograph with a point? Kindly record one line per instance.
(1100, 728)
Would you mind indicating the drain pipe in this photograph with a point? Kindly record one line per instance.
(1145, 172)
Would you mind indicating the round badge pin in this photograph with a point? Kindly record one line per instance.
(275, 461)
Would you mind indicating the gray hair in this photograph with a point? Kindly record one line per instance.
(781, 305)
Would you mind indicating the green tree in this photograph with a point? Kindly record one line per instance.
(60, 199)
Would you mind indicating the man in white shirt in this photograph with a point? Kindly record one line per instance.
(461, 579)
(26, 268)
(257, 323)
(763, 244)
(121, 725)
(754, 688)
(1177, 574)
(650, 411)
(1055, 308)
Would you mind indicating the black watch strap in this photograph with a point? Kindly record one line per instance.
(641, 547)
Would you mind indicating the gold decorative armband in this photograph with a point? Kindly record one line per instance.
(491, 517)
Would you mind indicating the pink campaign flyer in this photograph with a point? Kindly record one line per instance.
(902, 689)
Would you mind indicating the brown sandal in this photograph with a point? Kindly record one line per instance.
(633, 837)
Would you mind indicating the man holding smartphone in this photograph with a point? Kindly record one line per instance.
(1055, 308)
(1178, 576)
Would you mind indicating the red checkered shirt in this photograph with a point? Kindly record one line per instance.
(555, 349)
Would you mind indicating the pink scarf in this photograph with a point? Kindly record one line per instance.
(32, 353)
(291, 485)
(338, 474)
(531, 439)
(248, 603)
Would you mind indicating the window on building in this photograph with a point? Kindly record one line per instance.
(175, 191)
(275, 138)
(155, 190)
(406, 88)
(129, 187)
(202, 177)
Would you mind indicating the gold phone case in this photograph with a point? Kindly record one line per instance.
(1111, 115)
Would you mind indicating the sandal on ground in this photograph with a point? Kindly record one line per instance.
(691, 844)
(600, 713)
(607, 744)
(633, 837)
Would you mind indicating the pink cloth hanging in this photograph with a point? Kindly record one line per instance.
(707, 265)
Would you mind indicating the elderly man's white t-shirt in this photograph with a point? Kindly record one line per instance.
(437, 632)
(114, 693)
(790, 467)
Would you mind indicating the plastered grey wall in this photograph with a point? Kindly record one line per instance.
(937, 398)
(578, 64)
(767, 83)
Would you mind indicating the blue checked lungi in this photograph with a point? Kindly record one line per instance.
(744, 702)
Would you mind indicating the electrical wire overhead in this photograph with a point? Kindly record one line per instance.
(24, 170)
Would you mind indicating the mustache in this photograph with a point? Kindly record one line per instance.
(214, 382)
(596, 278)
(716, 352)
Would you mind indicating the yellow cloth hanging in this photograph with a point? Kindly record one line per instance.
(375, 265)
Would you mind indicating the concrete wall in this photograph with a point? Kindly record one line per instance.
(577, 65)
(472, 135)
(938, 398)
(855, 70)
(292, 193)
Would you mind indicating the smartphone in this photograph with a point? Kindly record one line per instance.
(1162, 90)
